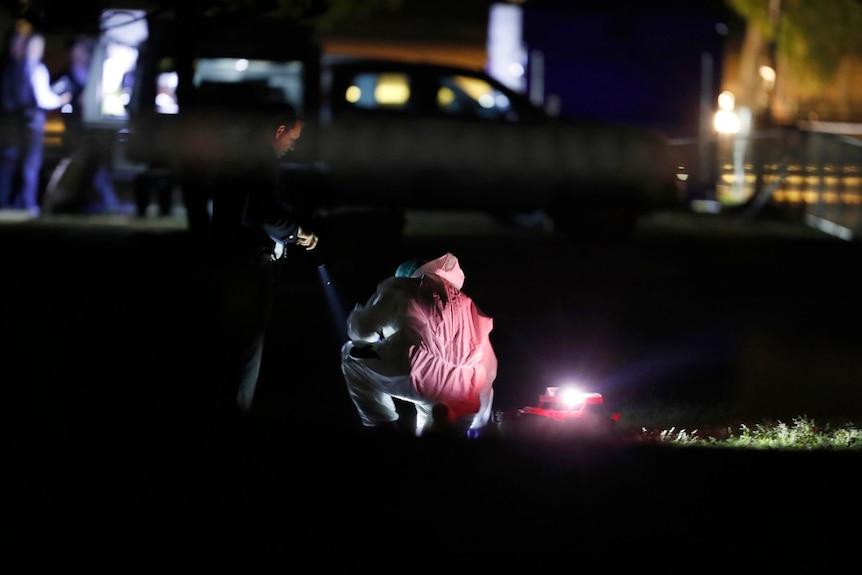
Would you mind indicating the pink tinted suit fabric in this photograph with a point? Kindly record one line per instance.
(430, 345)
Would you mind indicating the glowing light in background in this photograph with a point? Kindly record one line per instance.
(166, 97)
(507, 55)
(726, 120)
(353, 94)
(516, 69)
(392, 89)
(120, 60)
(445, 96)
(767, 74)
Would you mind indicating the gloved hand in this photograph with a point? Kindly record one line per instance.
(308, 240)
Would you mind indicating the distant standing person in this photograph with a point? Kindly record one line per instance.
(27, 95)
(250, 224)
(11, 98)
(83, 181)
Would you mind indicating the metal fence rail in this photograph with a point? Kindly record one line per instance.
(813, 175)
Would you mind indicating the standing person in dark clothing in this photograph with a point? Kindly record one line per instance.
(87, 168)
(12, 96)
(27, 95)
(250, 225)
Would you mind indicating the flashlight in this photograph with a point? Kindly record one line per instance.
(335, 305)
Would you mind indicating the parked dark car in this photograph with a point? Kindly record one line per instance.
(428, 136)
(392, 134)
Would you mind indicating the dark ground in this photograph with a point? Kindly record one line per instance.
(104, 346)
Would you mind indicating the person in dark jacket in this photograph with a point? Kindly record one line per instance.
(26, 96)
(83, 181)
(13, 93)
(251, 225)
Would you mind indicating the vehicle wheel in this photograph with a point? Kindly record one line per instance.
(61, 190)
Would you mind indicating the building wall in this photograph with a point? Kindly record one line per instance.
(460, 54)
(443, 31)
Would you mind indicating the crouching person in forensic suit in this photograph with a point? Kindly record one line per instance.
(422, 340)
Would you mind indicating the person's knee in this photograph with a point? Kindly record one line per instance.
(345, 350)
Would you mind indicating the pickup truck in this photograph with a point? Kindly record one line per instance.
(379, 133)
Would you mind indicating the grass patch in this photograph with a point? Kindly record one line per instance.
(802, 433)
(717, 425)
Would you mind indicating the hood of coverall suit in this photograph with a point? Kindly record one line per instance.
(447, 267)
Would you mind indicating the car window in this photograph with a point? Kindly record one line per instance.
(378, 91)
(425, 92)
(233, 81)
(472, 97)
(256, 80)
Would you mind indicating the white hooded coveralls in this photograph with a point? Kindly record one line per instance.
(422, 340)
